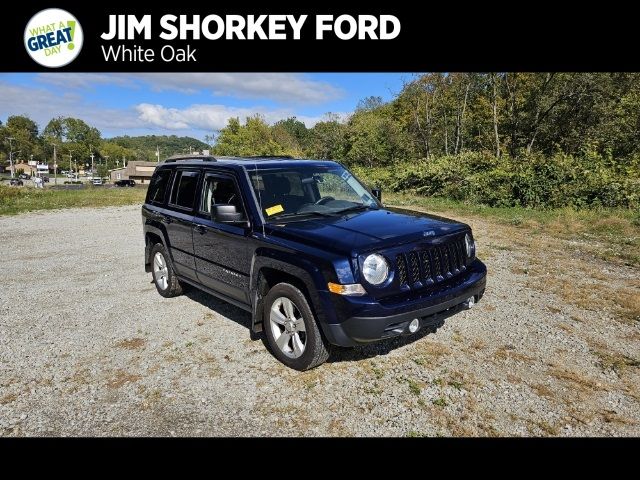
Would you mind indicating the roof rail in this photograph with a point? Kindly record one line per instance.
(201, 158)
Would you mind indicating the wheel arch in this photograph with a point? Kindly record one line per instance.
(151, 237)
(268, 271)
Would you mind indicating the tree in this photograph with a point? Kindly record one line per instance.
(25, 141)
(328, 138)
(72, 136)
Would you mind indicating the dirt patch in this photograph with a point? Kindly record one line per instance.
(132, 343)
(121, 378)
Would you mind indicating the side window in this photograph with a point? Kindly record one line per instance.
(158, 187)
(184, 189)
(220, 191)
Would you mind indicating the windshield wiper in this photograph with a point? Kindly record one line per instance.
(356, 208)
(300, 214)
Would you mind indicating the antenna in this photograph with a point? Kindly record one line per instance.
(255, 169)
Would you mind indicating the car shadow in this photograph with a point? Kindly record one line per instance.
(227, 310)
(338, 354)
(383, 347)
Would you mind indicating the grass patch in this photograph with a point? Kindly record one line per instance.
(414, 387)
(576, 380)
(14, 201)
(440, 402)
(618, 229)
(457, 384)
(615, 361)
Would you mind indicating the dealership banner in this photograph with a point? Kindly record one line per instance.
(328, 37)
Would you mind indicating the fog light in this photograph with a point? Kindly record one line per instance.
(471, 301)
(413, 326)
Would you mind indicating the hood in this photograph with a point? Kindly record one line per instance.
(359, 232)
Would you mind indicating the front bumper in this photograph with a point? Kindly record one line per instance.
(389, 321)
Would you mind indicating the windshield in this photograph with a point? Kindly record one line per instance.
(306, 191)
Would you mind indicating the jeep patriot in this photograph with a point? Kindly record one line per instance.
(309, 251)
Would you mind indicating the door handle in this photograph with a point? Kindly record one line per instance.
(166, 219)
(201, 229)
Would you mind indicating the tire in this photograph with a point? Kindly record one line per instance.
(164, 278)
(293, 336)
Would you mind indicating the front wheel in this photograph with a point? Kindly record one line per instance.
(291, 329)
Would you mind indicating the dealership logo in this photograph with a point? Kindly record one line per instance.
(53, 37)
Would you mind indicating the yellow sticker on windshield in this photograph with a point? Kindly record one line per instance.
(275, 209)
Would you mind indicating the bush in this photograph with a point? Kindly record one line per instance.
(536, 181)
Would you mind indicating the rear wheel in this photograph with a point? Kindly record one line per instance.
(291, 330)
(164, 278)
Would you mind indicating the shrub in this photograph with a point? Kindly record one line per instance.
(536, 181)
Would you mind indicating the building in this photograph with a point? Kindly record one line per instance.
(25, 167)
(139, 171)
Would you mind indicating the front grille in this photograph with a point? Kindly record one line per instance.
(433, 264)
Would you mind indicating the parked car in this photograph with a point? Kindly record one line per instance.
(307, 249)
(16, 182)
(125, 183)
(96, 181)
(24, 176)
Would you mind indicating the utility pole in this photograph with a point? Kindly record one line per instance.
(157, 153)
(124, 162)
(91, 163)
(11, 156)
(55, 166)
(70, 165)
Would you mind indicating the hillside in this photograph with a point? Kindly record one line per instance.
(167, 144)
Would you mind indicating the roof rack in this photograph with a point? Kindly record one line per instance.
(201, 158)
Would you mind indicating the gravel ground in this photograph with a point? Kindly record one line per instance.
(87, 347)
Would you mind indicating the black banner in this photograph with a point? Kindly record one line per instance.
(326, 37)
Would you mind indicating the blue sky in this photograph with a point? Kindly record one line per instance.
(193, 104)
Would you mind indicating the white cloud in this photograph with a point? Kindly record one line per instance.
(42, 105)
(288, 88)
(212, 117)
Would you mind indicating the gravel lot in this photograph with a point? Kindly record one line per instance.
(87, 347)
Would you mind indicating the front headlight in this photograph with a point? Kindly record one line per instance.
(375, 269)
(469, 245)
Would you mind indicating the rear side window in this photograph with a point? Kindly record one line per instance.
(184, 189)
(158, 187)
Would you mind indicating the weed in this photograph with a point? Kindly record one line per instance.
(440, 402)
(414, 387)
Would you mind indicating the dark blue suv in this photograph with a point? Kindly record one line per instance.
(307, 249)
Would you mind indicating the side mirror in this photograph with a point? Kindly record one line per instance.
(377, 192)
(226, 213)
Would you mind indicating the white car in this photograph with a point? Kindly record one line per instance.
(97, 181)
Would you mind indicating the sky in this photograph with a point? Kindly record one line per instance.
(194, 104)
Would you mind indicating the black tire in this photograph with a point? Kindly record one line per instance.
(173, 288)
(316, 350)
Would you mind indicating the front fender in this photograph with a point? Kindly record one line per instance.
(308, 272)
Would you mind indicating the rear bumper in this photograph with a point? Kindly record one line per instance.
(385, 322)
